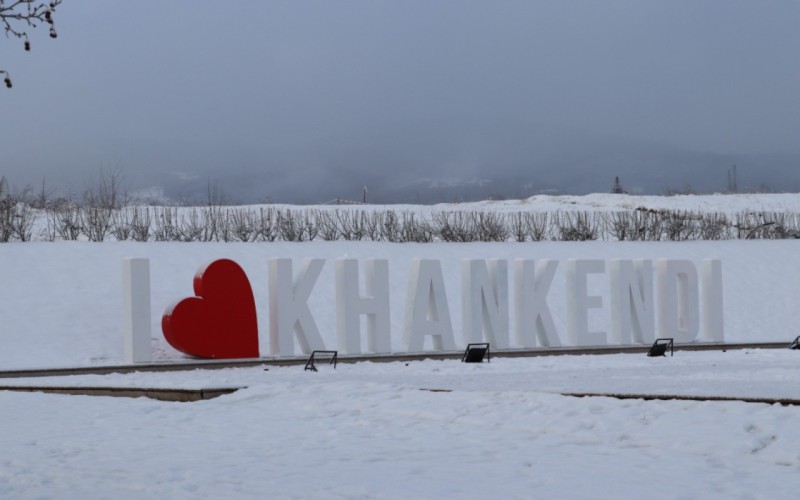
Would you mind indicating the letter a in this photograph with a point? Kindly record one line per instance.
(427, 313)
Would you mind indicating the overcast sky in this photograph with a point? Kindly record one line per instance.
(185, 85)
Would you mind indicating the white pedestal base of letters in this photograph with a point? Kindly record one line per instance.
(136, 310)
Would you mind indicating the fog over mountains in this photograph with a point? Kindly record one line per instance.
(432, 163)
(496, 161)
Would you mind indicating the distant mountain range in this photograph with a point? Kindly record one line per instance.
(509, 162)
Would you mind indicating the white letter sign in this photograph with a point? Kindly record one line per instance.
(632, 307)
(427, 313)
(713, 327)
(678, 316)
(484, 301)
(350, 305)
(579, 302)
(136, 307)
(531, 312)
(288, 307)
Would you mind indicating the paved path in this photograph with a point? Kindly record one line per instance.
(239, 363)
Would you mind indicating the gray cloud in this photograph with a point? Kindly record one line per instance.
(303, 95)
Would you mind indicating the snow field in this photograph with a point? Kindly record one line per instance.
(368, 431)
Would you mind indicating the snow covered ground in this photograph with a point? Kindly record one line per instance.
(370, 430)
(723, 203)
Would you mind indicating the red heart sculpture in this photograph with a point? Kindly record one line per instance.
(220, 322)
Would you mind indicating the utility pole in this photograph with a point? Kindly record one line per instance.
(733, 182)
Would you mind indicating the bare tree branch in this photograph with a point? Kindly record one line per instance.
(18, 16)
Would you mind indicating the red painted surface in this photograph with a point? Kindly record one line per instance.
(220, 322)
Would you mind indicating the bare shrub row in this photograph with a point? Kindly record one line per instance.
(92, 222)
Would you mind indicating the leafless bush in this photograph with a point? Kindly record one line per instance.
(618, 225)
(538, 225)
(648, 224)
(23, 221)
(326, 225)
(242, 223)
(311, 227)
(267, 225)
(491, 226)
(517, 227)
(681, 225)
(347, 225)
(637, 225)
(102, 200)
(776, 227)
(391, 228)
(41, 199)
(748, 225)
(576, 226)
(108, 191)
(751, 226)
(166, 224)
(121, 223)
(371, 225)
(95, 222)
(415, 230)
(358, 225)
(9, 199)
(457, 226)
(787, 226)
(214, 223)
(224, 227)
(17, 217)
(48, 232)
(293, 227)
(405, 228)
(714, 226)
(66, 219)
(191, 226)
(140, 224)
